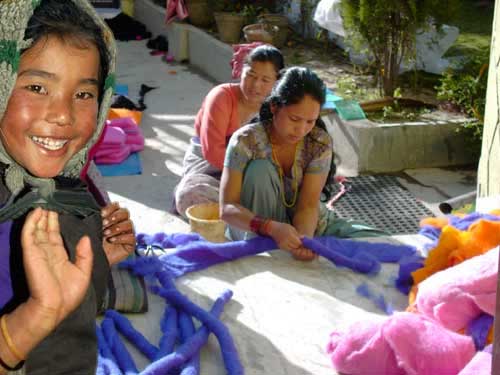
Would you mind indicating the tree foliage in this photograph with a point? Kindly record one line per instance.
(389, 28)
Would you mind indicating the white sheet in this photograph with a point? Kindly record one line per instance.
(282, 310)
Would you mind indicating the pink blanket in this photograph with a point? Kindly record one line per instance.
(480, 364)
(459, 294)
(404, 343)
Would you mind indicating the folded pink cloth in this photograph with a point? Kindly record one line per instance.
(121, 137)
(480, 364)
(112, 155)
(459, 294)
(240, 51)
(404, 343)
(113, 136)
(134, 136)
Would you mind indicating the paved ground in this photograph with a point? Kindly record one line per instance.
(168, 124)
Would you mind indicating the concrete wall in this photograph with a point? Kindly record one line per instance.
(363, 146)
(489, 165)
(187, 42)
(151, 15)
(210, 55)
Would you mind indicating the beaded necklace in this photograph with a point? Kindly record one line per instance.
(295, 187)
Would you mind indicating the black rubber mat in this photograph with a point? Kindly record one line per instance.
(382, 202)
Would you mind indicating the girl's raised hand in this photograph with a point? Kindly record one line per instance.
(57, 286)
(119, 237)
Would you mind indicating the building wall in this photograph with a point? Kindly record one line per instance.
(489, 165)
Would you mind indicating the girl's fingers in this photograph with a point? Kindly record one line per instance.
(120, 228)
(115, 217)
(41, 233)
(109, 209)
(53, 222)
(53, 228)
(29, 227)
(84, 257)
(123, 239)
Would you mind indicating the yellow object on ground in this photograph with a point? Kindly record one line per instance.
(128, 7)
(204, 219)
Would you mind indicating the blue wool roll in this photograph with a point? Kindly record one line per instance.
(122, 356)
(228, 349)
(131, 334)
(169, 328)
(106, 362)
(187, 330)
(192, 346)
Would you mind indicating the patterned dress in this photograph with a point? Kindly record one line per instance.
(313, 156)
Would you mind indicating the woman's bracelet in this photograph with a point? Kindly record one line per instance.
(8, 340)
(260, 226)
(264, 228)
(256, 224)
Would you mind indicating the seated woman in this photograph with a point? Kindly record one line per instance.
(223, 111)
(275, 170)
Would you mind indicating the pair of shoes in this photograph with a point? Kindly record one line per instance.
(160, 43)
(121, 101)
(125, 27)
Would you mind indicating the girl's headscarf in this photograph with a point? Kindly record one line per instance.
(14, 17)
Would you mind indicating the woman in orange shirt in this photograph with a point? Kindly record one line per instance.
(224, 110)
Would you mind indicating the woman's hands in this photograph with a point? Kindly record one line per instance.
(287, 238)
(304, 254)
(119, 237)
(57, 286)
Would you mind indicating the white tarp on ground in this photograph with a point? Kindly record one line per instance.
(431, 44)
(282, 310)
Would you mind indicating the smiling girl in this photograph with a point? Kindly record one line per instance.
(56, 75)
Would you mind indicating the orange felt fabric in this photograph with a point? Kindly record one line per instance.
(115, 113)
(455, 246)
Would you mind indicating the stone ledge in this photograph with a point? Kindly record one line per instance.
(363, 146)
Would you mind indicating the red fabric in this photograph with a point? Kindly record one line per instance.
(216, 121)
(176, 9)
(240, 51)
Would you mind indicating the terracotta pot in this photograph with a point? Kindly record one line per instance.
(229, 26)
(281, 22)
(260, 32)
(200, 12)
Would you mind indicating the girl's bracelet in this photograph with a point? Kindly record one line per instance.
(6, 367)
(8, 339)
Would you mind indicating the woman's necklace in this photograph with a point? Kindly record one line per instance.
(282, 178)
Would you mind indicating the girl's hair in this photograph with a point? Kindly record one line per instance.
(72, 24)
(293, 86)
(266, 53)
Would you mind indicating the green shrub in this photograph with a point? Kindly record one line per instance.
(465, 88)
(388, 28)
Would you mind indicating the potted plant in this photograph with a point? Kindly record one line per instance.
(229, 19)
(274, 15)
(200, 12)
